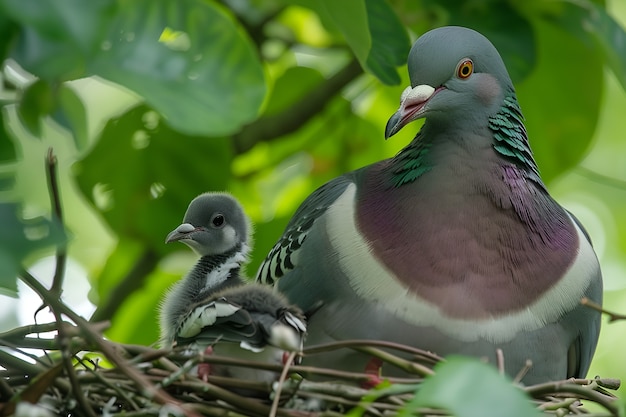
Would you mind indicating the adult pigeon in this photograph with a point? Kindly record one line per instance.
(454, 245)
(212, 305)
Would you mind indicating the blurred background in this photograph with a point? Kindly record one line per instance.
(151, 102)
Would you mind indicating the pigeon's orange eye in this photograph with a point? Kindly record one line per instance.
(465, 68)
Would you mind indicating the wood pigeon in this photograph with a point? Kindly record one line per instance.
(454, 245)
(213, 306)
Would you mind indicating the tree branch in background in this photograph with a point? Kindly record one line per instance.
(57, 212)
(133, 281)
(600, 178)
(271, 127)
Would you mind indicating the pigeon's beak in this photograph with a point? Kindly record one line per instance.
(412, 103)
(181, 232)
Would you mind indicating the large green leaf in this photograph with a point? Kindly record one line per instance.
(561, 99)
(189, 60)
(373, 31)
(72, 114)
(390, 42)
(20, 238)
(37, 102)
(467, 388)
(510, 31)
(7, 145)
(350, 18)
(142, 175)
(592, 24)
(292, 86)
(58, 36)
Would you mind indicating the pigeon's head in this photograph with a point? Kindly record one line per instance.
(455, 73)
(214, 223)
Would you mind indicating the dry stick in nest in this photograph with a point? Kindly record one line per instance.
(580, 389)
(51, 298)
(557, 394)
(57, 287)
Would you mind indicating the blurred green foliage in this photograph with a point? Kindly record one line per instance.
(158, 101)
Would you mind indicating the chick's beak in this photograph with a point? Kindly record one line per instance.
(181, 232)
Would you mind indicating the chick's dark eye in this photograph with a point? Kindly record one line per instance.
(218, 220)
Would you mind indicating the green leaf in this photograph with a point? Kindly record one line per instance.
(591, 24)
(373, 31)
(504, 26)
(58, 36)
(189, 60)
(70, 112)
(561, 105)
(7, 30)
(467, 388)
(7, 145)
(390, 42)
(20, 238)
(291, 87)
(142, 175)
(37, 102)
(350, 17)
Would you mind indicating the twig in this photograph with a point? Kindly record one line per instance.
(569, 387)
(114, 387)
(19, 333)
(247, 404)
(405, 365)
(522, 372)
(146, 387)
(66, 358)
(612, 316)
(418, 353)
(57, 211)
(21, 351)
(281, 381)
(6, 391)
(500, 360)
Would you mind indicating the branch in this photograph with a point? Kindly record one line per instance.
(57, 211)
(133, 281)
(274, 126)
(600, 178)
(612, 316)
(144, 385)
(66, 358)
(419, 354)
(575, 389)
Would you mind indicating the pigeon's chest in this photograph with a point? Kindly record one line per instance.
(463, 252)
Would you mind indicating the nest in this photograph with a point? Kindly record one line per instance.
(83, 374)
(80, 373)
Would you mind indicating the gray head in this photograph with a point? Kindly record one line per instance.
(214, 223)
(455, 73)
